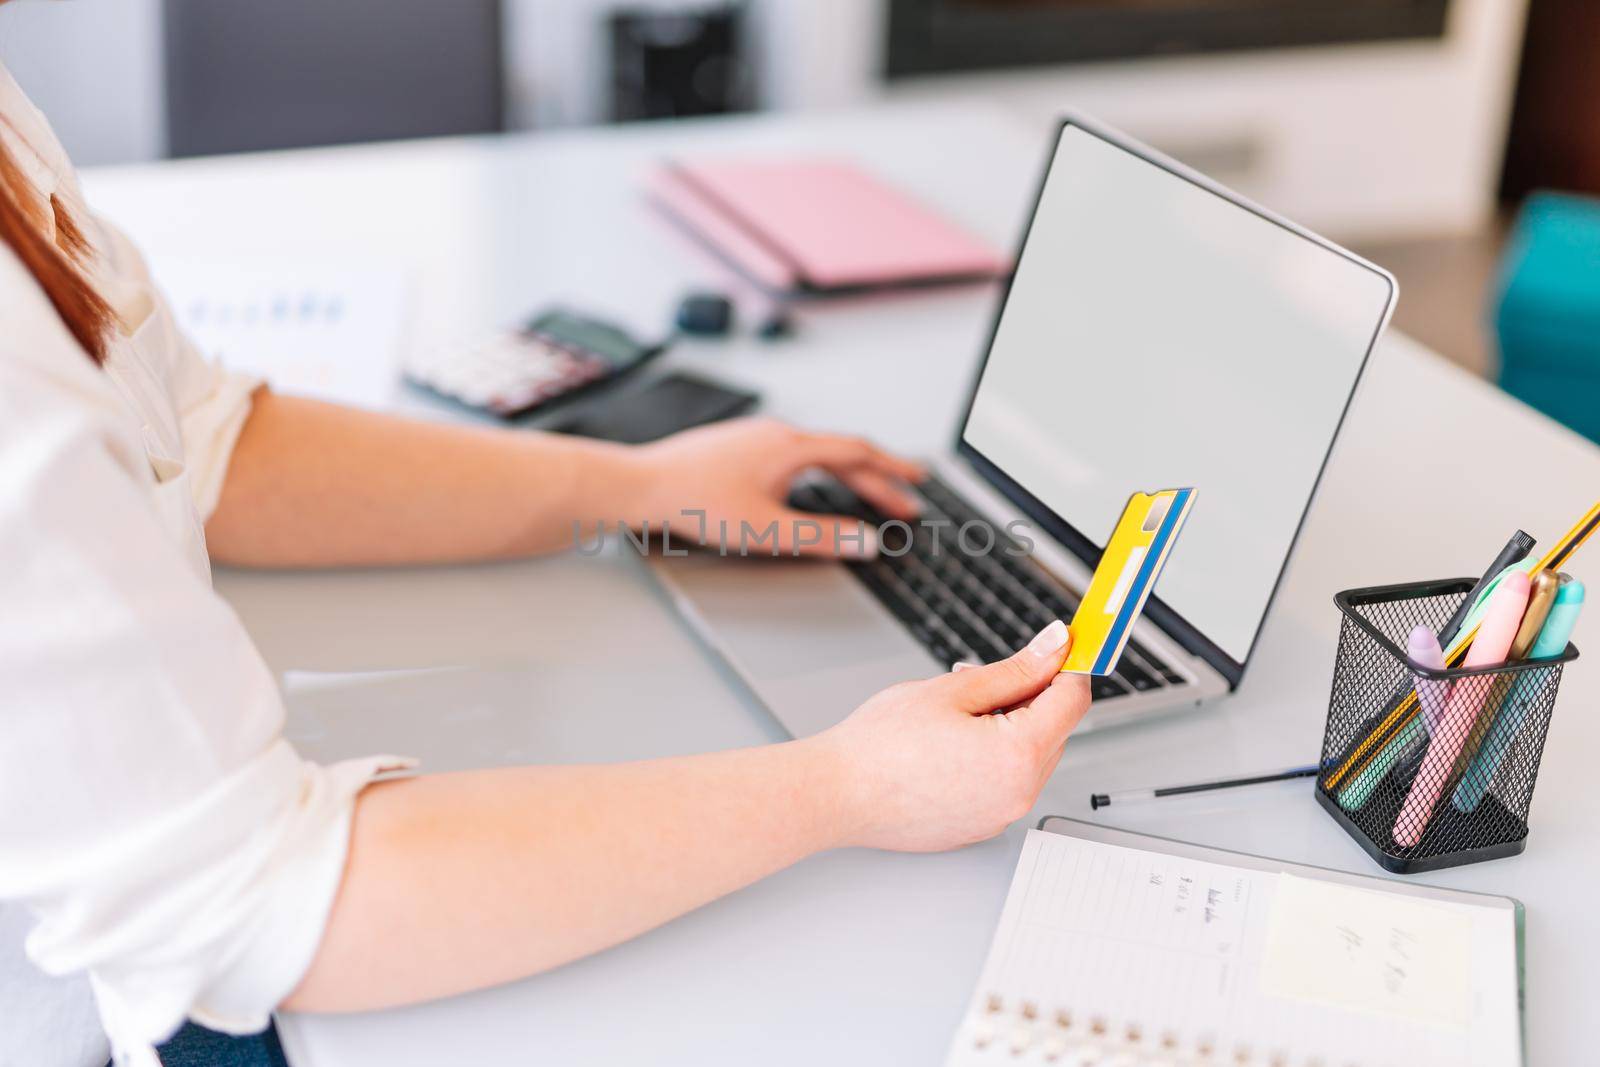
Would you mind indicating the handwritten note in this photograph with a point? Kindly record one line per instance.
(1167, 955)
(1379, 953)
(1173, 954)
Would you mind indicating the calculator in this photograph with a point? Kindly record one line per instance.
(557, 356)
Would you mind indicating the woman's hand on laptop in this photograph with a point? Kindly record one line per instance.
(932, 765)
(735, 476)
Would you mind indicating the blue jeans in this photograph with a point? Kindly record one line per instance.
(195, 1046)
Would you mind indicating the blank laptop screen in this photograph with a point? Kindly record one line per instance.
(1159, 335)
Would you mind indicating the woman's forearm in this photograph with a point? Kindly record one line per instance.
(460, 881)
(315, 484)
(318, 485)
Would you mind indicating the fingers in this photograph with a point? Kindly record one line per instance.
(1052, 715)
(967, 665)
(801, 533)
(845, 455)
(882, 492)
(980, 690)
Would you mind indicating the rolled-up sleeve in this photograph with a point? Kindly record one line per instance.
(213, 406)
(212, 402)
(165, 836)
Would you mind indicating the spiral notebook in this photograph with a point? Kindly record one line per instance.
(1115, 947)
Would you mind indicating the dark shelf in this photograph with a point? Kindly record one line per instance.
(946, 36)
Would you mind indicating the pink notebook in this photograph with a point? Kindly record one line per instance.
(818, 226)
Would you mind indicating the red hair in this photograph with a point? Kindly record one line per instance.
(54, 264)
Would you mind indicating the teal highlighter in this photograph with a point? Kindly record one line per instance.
(1412, 739)
(1422, 648)
(1553, 638)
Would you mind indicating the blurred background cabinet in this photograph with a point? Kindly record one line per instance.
(247, 76)
(1410, 129)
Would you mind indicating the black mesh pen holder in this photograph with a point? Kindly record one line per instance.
(1430, 769)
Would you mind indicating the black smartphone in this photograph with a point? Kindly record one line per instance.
(665, 406)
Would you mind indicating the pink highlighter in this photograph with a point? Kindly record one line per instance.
(1490, 646)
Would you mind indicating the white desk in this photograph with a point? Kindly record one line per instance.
(855, 957)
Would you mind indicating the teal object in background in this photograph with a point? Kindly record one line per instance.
(1547, 317)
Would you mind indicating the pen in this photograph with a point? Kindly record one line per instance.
(1404, 755)
(1402, 746)
(1125, 796)
(1516, 549)
(1493, 641)
(1540, 598)
(1422, 648)
(1552, 642)
(1457, 652)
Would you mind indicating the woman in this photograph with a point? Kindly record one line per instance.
(158, 834)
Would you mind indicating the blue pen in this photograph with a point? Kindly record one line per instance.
(1553, 638)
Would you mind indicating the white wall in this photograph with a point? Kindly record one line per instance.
(1357, 140)
(94, 67)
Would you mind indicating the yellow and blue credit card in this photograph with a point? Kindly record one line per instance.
(1122, 582)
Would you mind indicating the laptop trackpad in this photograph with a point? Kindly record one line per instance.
(804, 634)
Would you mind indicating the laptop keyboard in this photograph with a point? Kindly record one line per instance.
(969, 598)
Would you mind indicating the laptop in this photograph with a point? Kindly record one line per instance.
(1158, 330)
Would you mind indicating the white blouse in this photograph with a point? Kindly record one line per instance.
(157, 834)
